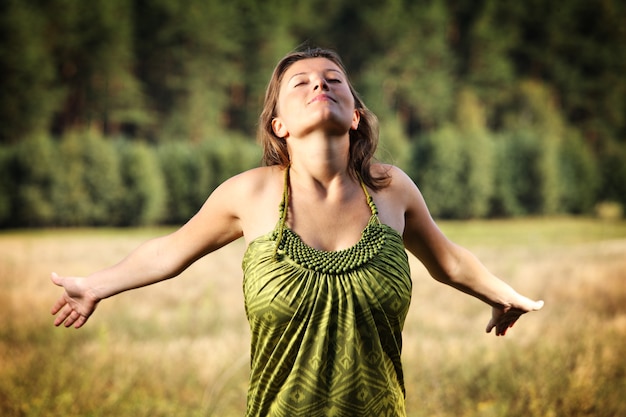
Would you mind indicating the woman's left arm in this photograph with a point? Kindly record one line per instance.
(454, 265)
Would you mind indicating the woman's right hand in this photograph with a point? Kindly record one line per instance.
(76, 303)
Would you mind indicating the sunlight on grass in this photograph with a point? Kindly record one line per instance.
(181, 348)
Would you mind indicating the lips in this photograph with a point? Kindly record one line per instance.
(321, 97)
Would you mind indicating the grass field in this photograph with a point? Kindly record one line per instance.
(181, 348)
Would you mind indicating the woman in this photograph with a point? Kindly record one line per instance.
(326, 275)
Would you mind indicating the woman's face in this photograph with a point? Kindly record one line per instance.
(314, 94)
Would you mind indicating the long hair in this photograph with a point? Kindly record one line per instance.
(363, 140)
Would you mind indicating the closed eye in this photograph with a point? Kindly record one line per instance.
(299, 82)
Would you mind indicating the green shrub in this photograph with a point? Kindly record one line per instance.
(518, 186)
(229, 156)
(6, 184)
(612, 161)
(101, 177)
(579, 175)
(36, 171)
(187, 177)
(535, 128)
(454, 171)
(143, 198)
(478, 154)
(394, 147)
(507, 169)
(438, 169)
(548, 167)
(90, 185)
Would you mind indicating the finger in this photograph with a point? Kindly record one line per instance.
(501, 330)
(71, 319)
(58, 305)
(64, 313)
(80, 322)
(56, 279)
(507, 325)
(61, 301)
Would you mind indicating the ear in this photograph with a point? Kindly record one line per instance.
(356, 118)
(279, 128)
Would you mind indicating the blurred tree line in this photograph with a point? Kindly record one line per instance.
(126, 112)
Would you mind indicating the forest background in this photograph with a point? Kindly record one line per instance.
(124, 113)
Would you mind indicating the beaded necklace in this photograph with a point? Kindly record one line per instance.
(329, 262)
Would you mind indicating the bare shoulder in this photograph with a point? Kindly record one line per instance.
(395, 200)
(254, 197)
(399, 183)
(401, 203)
(253, 182)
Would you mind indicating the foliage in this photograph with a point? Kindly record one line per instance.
(6, 191)
(394, 146)
(454, 167)
(85, 180)
(229, 156)
(537, 127)
(439, 160)
(414, 74)
(187, 68)
(143, 186)
(87, 190)
(192, 171)
(36, 168)
(195, 71)
(579, 175)
(28, 96)
(613, 172)
(187, 59)
(186, 179)
(91, 45)
(478, 173)
(509, 183)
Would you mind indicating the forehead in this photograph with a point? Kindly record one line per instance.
(307, 65)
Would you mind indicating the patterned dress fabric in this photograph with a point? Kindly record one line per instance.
(326, 325)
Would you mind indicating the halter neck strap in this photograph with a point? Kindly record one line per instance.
(282, 209)
(284, 204)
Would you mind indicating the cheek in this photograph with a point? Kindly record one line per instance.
(350, 98)
(282, 103)
(288, 106)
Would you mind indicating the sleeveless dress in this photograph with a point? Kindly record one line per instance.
(326, 325)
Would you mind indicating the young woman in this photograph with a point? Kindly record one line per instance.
(326, 275)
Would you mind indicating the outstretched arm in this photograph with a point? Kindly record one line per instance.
(454, 265)
(215, 225)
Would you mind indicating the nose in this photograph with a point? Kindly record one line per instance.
(319, 83)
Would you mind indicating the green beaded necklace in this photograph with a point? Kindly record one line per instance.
(328, 262)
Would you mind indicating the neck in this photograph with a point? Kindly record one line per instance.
(319, 159)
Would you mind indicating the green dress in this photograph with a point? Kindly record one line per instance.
(326, 325)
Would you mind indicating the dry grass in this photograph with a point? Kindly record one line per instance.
(181, 348)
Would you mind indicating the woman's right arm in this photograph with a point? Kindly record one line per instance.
(216, 224)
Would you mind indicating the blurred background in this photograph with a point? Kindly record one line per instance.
(121, 113)
(119, 117)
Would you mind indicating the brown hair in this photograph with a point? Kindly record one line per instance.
(363, 141)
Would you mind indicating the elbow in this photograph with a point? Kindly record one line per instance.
(447, 268)
(442, 259)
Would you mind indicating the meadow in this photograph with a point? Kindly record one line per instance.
(181, 348)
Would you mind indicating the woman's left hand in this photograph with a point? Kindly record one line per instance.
(503, 318)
